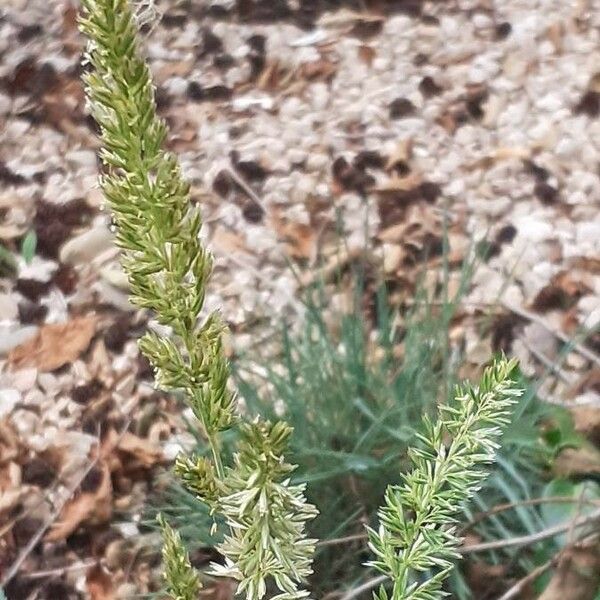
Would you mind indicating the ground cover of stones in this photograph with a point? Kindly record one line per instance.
(398, 120)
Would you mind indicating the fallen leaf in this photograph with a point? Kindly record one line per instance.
(321, 70)
(577, 576)
(271, 76)
(55, 345)
(300, 239)
(577, 461)
(228, 241)
(563, 292)
(92, 504)
(99, 584)
(485, 580)
(142, 449)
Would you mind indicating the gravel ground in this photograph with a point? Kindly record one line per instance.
(395, 119)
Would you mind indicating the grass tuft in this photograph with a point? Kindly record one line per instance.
(355, 390)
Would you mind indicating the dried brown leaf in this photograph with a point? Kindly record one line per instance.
(577, 461)
(93, 504)
(322, 70)
(55, 345)
(300, 239)
(142, 449)
(99, 584)
(586, 420)
(563, 291)
(577, 576)
(228, 241)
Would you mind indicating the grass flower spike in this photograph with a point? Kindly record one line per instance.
(415, 543)
(266, 516)
(168, 270)
(183, 581)
(157, 227)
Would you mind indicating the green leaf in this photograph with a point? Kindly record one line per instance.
(28, 246)
(555, 513)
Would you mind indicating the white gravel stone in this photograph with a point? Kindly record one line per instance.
(8, 400)
(11, 337)
(86, 246)
(9, 307)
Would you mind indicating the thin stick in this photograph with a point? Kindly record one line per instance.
(526, 314)
(60, 570)
(531, 502)
(245, 187)
(342, 540)
(526, 540)
(364, 587)
(518, 587)
(549, 364)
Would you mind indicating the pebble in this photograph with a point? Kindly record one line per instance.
(11, 337)
(8, 400)
(589, 232)
(38, 269)
(515, 67)
(82, 158)
(9, 307)
(126, 591)
(25, 421)
(83, 248)
(115, 276)
(127, 529)
(533, 229)
(5, 104)
(112, 296)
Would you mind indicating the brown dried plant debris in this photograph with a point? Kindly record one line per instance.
(577, 576)
(55, 345)
(91, 505)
